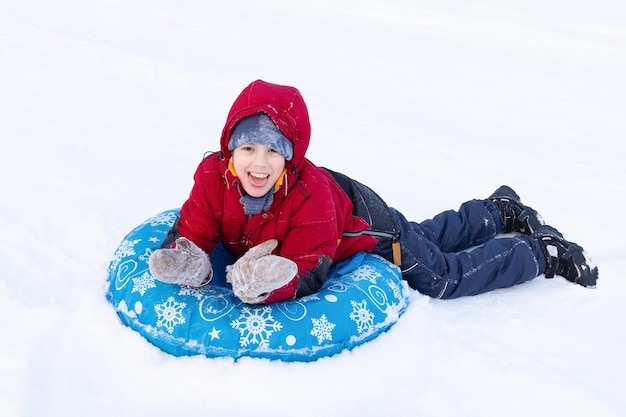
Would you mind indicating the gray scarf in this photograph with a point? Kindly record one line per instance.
(255, 205)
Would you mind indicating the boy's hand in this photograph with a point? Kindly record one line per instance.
(257, 273)
(186, 264)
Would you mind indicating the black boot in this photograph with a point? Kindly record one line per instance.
(516, 217)
(565, 258)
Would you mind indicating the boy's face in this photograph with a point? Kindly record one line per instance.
(258, 167)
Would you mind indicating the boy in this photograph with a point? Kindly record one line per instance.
(287, 221)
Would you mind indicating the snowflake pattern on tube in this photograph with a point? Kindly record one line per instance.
(170, 314)
(322, 329)
(256, 326)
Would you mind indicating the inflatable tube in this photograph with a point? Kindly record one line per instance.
(362, 298)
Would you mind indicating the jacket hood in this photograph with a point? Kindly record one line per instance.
(285, 106)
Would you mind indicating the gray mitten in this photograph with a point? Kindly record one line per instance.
(186, 264)
(257, 273)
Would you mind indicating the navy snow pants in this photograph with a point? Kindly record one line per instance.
(457, 253)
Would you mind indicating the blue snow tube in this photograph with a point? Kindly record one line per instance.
(363, 296)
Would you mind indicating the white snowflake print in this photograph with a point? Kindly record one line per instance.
(255, 326)
(362, 316)
(170, 314)
(322, 329)
(366, 273)
(397, 291)
(126, 248)
(146, 255)
(166, 219)
(194, 292)
(143, 283)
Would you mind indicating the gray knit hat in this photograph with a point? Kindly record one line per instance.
(260, 129)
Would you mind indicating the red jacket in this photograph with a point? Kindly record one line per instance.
(309, 213)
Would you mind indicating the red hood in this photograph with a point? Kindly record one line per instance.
(285, 106)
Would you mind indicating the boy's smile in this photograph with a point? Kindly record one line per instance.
(258, 167)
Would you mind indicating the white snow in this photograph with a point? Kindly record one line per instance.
(106, 107)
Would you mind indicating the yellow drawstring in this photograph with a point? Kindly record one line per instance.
(280, 180)
(231, 167)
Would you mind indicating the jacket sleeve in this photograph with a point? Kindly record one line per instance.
(284, 293)
(200, 214)
(312, 238)
(309, 228)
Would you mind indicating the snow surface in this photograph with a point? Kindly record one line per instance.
(106, 107)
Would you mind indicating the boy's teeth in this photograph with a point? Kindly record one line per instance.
(258, 175)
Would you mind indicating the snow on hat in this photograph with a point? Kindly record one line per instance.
(260, 129)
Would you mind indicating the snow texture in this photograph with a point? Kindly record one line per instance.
(106, 108)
